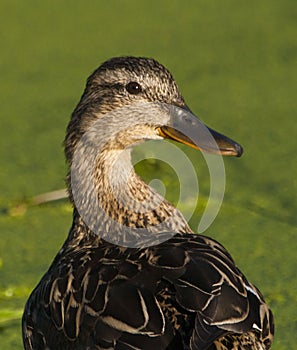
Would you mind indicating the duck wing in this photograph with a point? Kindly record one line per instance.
(96, 297)
(212, 287)
(182, 294)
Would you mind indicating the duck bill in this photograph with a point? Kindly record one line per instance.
(186, 128)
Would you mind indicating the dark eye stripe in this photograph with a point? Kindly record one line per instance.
(116, 86)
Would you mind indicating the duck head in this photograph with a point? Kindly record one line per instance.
(150, 104)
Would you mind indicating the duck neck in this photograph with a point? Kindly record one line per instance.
(117, 204)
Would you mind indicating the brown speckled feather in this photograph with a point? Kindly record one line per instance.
(184, 293)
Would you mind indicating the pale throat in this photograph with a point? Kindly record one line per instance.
(123, 194)
(117, 180)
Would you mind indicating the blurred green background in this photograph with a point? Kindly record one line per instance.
(235, 63)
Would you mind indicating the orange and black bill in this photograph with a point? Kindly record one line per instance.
(186, 128)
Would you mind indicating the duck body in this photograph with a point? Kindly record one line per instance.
(104, 289)
(98, 296)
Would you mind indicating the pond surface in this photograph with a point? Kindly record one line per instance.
(236, 67)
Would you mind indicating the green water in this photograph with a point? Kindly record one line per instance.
(235, 63)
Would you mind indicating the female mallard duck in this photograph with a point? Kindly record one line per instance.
(183, 293)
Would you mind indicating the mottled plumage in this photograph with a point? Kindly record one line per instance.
(183, 293)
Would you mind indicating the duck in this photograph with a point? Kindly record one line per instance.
(132, 274)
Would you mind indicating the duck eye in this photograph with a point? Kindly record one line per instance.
(133, 88)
